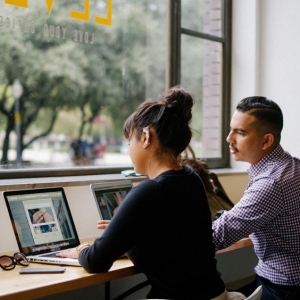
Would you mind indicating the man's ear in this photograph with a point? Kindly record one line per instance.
(268, 141)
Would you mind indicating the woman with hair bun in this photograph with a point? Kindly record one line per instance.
(177, 264)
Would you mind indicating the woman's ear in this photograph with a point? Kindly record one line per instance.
(146, 133)
(269, 140)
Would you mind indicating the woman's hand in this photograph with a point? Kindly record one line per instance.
(70, 253)
(102, 224)
(73, 252)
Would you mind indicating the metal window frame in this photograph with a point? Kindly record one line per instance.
(174, 72)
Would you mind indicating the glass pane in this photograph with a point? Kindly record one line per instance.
(83, 67)
(202, 15)
(206, 86)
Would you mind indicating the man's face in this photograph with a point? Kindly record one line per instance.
(245, 143)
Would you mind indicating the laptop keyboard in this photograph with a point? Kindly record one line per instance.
(52, 254)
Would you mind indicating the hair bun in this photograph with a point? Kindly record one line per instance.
(179, 100)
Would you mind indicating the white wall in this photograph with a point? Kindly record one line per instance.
(266, 60)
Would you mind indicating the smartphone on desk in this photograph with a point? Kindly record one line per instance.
(42, 270)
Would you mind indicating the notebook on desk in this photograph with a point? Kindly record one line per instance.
(43, 224)
(109, 196)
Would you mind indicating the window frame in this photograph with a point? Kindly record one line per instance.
(175, 73)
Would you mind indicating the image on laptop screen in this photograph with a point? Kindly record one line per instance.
(109, 196)
(41, 220)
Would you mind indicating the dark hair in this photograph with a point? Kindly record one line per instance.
(268, 115)
(169, 116)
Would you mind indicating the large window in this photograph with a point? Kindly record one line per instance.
(72, 71)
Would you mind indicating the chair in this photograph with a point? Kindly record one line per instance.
(256, 295)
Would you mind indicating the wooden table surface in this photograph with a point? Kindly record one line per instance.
(14, 286)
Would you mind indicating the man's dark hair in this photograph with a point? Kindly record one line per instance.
(268, 115)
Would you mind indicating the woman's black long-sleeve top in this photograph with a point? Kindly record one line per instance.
(164, 225)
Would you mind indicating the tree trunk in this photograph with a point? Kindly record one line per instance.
(5, 147)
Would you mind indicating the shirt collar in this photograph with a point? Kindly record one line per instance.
(263, 164)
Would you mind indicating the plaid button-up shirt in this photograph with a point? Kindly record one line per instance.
(269, 213)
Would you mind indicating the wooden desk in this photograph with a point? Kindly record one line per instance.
(14, 286)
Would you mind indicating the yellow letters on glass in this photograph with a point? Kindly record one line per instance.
(82, 16)
(108, 19)
(49, 5)
(21, 3)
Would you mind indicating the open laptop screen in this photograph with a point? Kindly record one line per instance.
(109, 196)
(41, 220)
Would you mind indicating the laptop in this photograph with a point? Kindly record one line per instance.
(43, 224)
(109, 196)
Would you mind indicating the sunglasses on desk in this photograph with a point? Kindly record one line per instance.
(9, 262)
